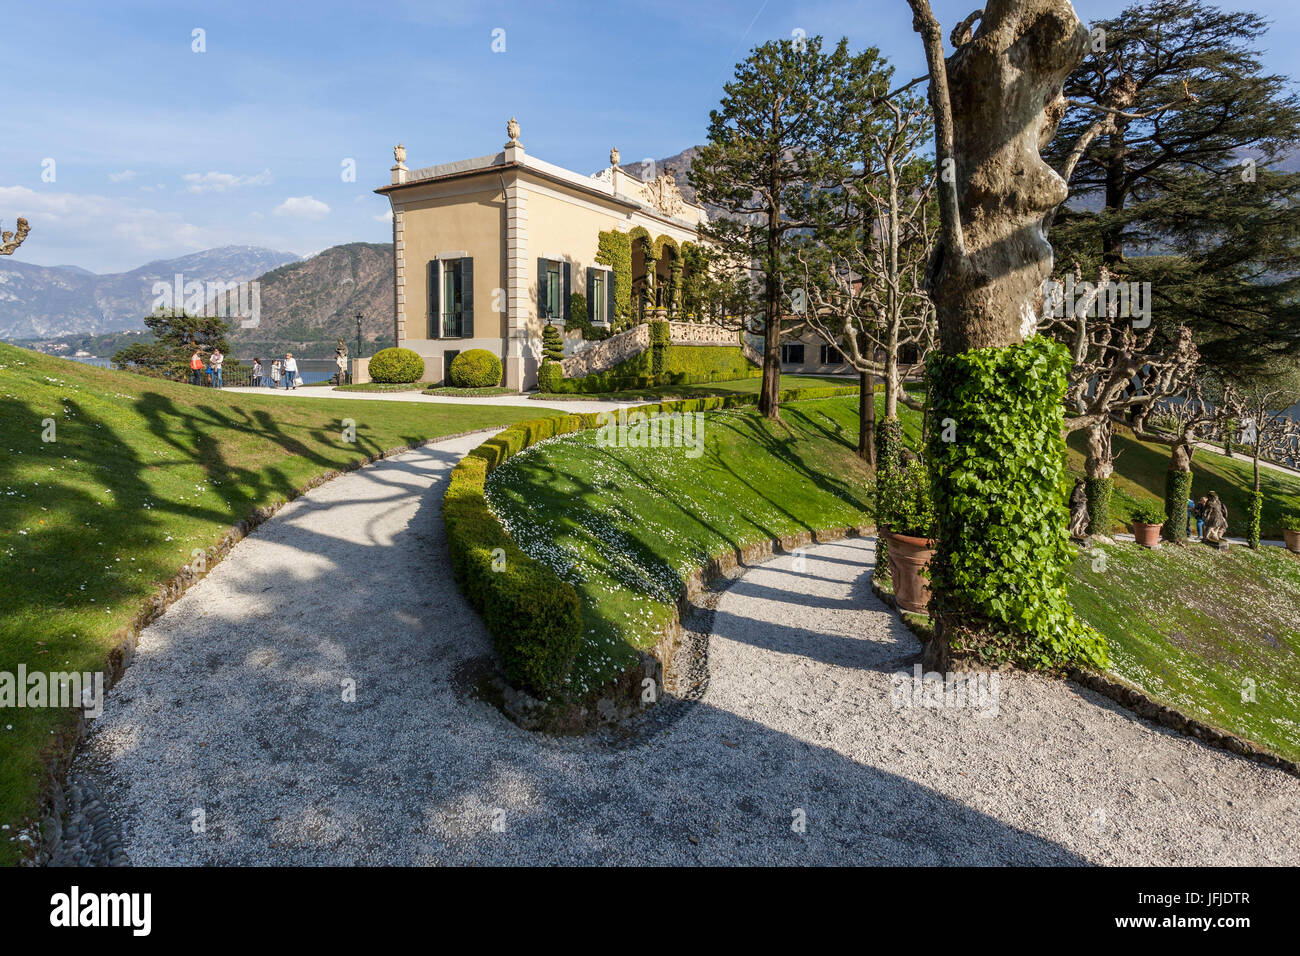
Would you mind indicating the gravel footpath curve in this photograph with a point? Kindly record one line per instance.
(234, 707)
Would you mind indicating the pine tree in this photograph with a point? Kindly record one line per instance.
(1168, 146)
(778, 144)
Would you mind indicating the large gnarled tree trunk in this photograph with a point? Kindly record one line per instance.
(997, 101)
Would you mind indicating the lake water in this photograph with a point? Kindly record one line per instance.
(310, 370)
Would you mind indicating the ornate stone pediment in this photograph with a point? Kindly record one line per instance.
(664, 195)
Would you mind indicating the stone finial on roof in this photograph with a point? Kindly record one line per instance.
(512, 130)
(613, 156)
(399, 154)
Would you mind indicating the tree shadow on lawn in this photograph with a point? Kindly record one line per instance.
(412, 770)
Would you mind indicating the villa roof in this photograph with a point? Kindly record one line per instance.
(637, 193)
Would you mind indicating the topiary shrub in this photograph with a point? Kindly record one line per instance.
(475, 368)
(1291, 521)
(396, 367)
(550, 378)
(552, 344)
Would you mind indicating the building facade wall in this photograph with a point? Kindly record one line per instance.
(452, 219)
(507, 219)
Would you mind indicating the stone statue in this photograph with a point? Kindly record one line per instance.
(341, 360)
(613, 156)
(1216, 520)
(9, 241)
(399, 153)
(512, 130)
(1079, 511)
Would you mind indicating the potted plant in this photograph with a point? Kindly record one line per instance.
(907, 521)
(1291, 530)
(1148, 517)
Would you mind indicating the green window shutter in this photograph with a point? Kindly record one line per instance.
(435, 312)
(591, 293)
(467, 297)
(611, 293)
(541, 289)
(564, 299)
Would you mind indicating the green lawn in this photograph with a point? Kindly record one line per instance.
(661, 393)
(455, 392)
(1140, 475)
(142, 471)
(626, 525)
(1195, 627)
(383, 387)
(1188, 625)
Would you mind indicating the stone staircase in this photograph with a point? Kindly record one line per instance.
(619, 348)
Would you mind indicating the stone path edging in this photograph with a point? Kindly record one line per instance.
(1138, 701)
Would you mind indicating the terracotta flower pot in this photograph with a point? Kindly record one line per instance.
(907, 557)
(1148, 535)
(1292, 540)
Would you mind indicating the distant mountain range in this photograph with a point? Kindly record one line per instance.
(38, 302)
(318, 299)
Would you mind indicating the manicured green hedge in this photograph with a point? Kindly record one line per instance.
(396, 366)
(533, 616)
(476, 368)
(1000, 570)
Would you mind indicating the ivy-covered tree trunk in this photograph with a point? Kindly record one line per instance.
(1178, 488)
(996, 452)
(1256, 500)
(1099, 467)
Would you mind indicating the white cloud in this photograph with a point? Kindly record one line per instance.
(220, 182)
(302, 207)
(68, 220)
(125, 175)
(385, 216)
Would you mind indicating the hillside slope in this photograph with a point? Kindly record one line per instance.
(317, 299)
(52, 301)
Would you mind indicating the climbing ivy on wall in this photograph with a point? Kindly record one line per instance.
(614, 249)
(1003, 554)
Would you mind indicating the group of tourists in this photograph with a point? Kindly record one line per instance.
(286, 370)
(212, 366)
(1211, 518)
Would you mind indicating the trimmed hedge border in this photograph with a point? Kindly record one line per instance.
(532, 615)
(119, 658)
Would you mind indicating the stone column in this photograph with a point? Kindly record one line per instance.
(518, 302)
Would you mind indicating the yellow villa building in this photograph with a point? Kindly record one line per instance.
(486, 251)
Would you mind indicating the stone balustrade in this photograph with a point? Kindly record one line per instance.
(619, 348)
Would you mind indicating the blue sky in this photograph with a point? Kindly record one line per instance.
(159, 150)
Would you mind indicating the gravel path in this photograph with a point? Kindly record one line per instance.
(234, 707)
(542, 406)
